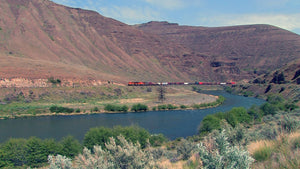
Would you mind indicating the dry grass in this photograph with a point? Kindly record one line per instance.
(283, 152)
(254, 146)
(166, 164)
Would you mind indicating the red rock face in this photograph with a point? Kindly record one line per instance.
(40, 39)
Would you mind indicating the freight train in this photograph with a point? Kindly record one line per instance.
(178, 83)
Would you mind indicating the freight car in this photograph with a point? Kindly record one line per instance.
(178, 83)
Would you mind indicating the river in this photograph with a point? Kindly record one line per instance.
(173, 124)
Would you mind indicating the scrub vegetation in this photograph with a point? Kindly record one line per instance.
(266, 136)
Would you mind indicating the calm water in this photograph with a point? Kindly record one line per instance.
(172, 124)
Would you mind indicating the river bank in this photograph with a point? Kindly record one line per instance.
(29, 102)
(171, 123)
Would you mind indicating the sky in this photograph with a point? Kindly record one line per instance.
(210, 13)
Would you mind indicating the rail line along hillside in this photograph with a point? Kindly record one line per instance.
(178, 83)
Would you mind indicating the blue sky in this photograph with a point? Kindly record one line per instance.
(211, 13)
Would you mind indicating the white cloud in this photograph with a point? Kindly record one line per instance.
(168, 4)
(131, 15)
(286, 21)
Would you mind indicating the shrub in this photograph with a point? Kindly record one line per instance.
(185, 149)
(31, 152)
(77, 110)
(124, 155)
(296, 143)
(290, 106)
(162, 107)
(157, 139)
(237, 115)
(59, 162)
(263, 153)
(59, 109)
(269, 132)
(255, 113)
(196, 106)
(171, 107)
(139, 107)
(268, 108)
(224, 155)
(289, 125)
(70, 146)
(101, 135)
(120, 108)
(54, 81)
(14, 152)
(209, 123)
(96, 109)
(183, 106)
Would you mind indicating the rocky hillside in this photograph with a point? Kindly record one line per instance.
(239, 52)
(41, 39)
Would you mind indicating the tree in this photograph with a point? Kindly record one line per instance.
(209, 123)
(139, 107)
(97, 136)
(70, 147)
(15, 152)
(35, 152)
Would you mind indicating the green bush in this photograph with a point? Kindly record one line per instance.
(196, 106)
(54, 81)
(255, 113)
(183, 106)
(268, 108)
(59, 109)
(101, 135)
(96, 109)
(162, 107)
(209, 123)
(233, 117)
(34, 152)
(139, 107)
(70, 147)
(157, 139)
(114, 108)
(296, 143)
(263, 153)
(237, 115)
(171, 107)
